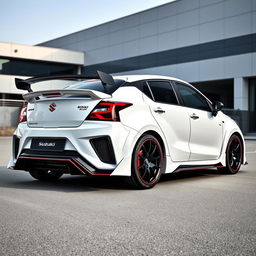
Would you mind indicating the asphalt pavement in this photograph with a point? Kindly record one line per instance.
(191, 213)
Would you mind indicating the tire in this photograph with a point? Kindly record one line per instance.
(234, 155)
(147, 163)
(46, 175)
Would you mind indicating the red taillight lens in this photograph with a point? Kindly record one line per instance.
(23, 114)
(108, 111)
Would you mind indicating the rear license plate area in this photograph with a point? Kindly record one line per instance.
(48, 144)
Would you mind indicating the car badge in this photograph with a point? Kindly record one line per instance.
(52, 107)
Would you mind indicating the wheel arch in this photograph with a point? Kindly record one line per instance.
(242, 139)
(161, 141)
(156, 135)
(135, 179)
(238, 133)
(231, 128)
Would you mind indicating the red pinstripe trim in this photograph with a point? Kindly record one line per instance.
(95, 174)
(68, 160)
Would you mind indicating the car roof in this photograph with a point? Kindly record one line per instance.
(133, 78)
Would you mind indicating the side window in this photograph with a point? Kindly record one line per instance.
(142, 86)
(163, 92)
(147, 91)
(192, 98)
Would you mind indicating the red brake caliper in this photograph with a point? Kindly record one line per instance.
(138, 159)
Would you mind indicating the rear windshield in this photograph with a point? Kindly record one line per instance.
(97, 86)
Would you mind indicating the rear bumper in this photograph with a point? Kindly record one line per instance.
(68, 161)
(81, 155)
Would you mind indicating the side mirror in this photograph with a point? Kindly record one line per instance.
(217, 106)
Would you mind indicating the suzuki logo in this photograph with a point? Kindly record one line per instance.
(52, 107)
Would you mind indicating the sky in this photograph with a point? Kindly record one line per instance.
(36, 21)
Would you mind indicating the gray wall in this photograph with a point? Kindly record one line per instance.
(195, 40)
(174, 25)
(9, 116)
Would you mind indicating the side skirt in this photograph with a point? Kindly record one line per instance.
(196, 167)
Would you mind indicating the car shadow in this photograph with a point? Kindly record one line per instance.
(66, 183)
(88, 184)
(187, 176)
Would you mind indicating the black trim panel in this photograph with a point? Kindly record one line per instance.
(196, 167)
(15, 145)
(104, 149)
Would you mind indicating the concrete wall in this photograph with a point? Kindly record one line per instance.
(41, 53)
(9, 116)
(36, 53)
(7, 84)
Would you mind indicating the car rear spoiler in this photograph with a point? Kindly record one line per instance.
(95, 95)
(25, 84)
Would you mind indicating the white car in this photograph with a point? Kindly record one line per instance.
(135, 126)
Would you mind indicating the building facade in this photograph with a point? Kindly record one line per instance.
(210, 43)
(24, 61)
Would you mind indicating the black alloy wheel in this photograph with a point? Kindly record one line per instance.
(234, 155)
(147, 163)
(46, 175)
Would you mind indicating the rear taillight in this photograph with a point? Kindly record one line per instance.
(107, 111)
(23, 115)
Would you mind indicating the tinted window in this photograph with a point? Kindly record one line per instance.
(97, 86)
(192, 98)
(142, 86)
(147, 91)
(163, 92)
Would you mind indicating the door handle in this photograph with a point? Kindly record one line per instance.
(194, 116)
(159, 110)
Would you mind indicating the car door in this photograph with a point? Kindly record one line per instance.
(171, 118)
(206, 134)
